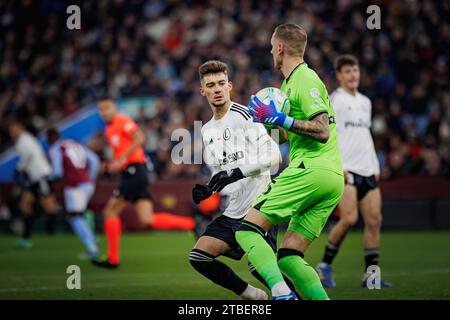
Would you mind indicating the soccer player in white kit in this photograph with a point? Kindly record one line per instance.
(32, 172)
(353, 112)
(240, 154)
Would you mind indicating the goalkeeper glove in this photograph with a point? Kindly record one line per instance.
(268, 113)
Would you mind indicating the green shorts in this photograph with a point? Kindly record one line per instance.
(306, 196)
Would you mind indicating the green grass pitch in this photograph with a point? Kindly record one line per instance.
(155, 266)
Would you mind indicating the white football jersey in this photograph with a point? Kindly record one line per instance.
(353, 121)
(236, 141)
(32, 158)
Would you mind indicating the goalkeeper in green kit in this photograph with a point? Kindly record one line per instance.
(307, 191)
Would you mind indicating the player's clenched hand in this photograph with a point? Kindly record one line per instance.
(346, 176)
(114, 166)
(268, 113)
(21, 177)
(200, 192)
(223, 178)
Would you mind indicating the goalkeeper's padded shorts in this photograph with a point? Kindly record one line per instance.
(305, 196)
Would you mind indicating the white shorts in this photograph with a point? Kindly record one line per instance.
(77, 198)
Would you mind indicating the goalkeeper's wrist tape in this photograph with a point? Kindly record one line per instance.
(288, 123)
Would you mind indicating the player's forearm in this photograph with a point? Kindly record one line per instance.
(94, 165)
(317, 128)
(21, 165)
(23, 162)
(57, 172)
(138, 141)
(279, 135)
(265, 162)
(375, 161)
(377, 166)
(130, 150)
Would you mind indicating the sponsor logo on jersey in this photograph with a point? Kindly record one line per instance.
(359, 124)
(232, 157)
(331, 120)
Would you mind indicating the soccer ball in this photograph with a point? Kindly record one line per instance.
(281, 101)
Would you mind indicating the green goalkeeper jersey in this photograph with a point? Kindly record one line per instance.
(308, 97)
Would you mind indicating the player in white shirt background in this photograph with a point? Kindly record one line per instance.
(353, 112)
(240, 154)
(32, 173)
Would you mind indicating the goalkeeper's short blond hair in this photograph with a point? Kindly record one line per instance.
(293, 37)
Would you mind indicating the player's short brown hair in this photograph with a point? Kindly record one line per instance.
(294, 37)
(344, 60)
(212, 66)
(104, 97)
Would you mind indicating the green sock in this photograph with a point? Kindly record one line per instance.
(261, 255)
(304, 276)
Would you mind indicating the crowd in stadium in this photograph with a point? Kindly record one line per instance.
(138, 48)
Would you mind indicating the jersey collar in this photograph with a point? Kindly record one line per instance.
(224, 116)
(348, 94)
(113, 119)
(292, 72)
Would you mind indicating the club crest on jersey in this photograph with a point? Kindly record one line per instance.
(314, 92)
(226, 134)
(115, 139)
(288, 93)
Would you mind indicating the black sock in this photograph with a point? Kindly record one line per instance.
(331, 251)
(371, 257)
(216, 271)
(51, 223)
(255, 273)
(27, 226)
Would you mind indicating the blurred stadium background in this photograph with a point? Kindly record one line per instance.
(145, 54)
